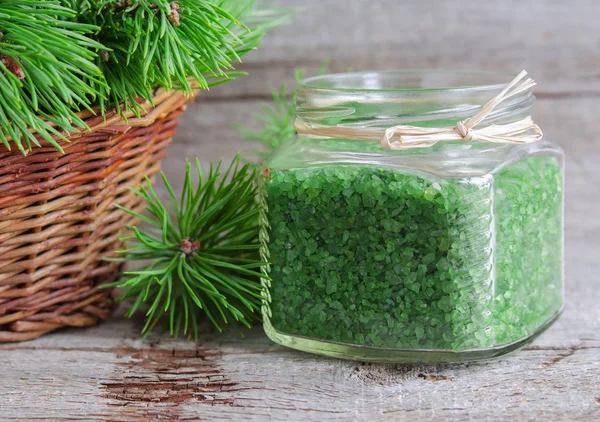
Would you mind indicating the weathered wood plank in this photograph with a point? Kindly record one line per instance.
(556, 41)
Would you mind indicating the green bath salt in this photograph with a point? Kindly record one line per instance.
(388, 258)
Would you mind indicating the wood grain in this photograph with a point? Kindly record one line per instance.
(556, 41)
(107, 373)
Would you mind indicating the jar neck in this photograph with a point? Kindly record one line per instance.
(417, 98)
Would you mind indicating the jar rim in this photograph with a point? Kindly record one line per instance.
(403, 81)
(398, 97)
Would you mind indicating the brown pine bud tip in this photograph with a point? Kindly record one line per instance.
(104, 56)
(187, 247)
(174, 16)
(13, 66)
(267, 173)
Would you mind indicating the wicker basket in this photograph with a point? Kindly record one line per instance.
(57, 218)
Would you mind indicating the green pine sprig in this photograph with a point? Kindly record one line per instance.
(203, 252)
(276, 120)
(58, 57)
(46, 72)
(182, 44)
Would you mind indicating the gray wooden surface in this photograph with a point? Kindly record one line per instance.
(107, 373)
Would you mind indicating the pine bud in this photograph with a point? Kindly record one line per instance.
(174, 16)
(187, 247)
(13, 66)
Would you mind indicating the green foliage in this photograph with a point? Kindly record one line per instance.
(178, 45)
(277, 120)
(204, 260)
(46, 66)
(59, 56)
(277, 123)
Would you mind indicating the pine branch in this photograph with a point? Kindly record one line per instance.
(177, 45)
(203, 251)
(277, 123)
(277, 120)
(45, 68)
(58, 57)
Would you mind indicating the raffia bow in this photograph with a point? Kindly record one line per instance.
(404, 136)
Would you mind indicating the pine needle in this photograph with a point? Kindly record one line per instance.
(276, 120)
(203, 253)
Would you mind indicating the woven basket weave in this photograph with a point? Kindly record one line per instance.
(58, 220)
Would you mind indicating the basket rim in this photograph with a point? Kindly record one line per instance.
(148, 112)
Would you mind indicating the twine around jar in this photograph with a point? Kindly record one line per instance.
(405, 136)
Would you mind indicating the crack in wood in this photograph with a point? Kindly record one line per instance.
(435, 377)
(390, 375)
(137, 414)
(401, 410)
(568, 352)
(165, 392)
(153, 377)
(559, 358)
(291, 409)
(559, 348)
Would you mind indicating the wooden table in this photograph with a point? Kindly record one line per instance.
(107, 373)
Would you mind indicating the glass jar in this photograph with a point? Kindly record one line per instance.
(442, 254)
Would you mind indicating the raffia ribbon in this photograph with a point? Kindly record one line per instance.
(405, 136)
